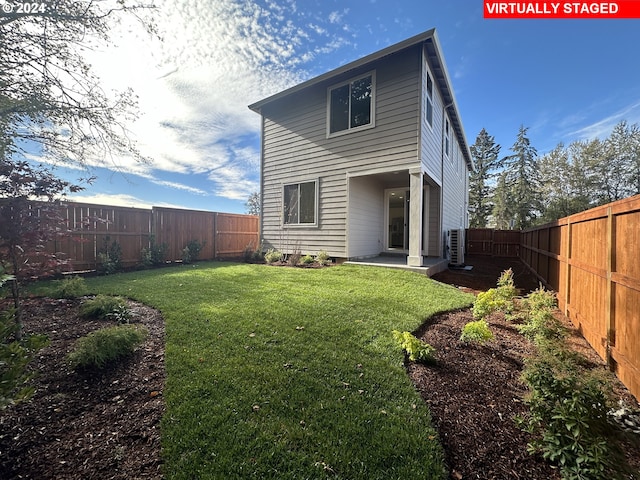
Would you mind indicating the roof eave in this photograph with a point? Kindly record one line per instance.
(346, 68)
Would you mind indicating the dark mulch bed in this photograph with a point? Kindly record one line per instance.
(474, 392)
(86, 425)
(105, 425)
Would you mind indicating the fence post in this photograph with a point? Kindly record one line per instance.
(215, 235)
(610, 291)
(567, 280)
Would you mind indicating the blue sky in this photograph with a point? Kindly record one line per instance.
(565, 80)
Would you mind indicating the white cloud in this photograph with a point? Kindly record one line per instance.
(118, 200)
(194, 86)
(180, 186)
(602, 128)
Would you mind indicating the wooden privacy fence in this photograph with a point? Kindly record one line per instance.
(592, 260)
(94, 227)
(496, 243)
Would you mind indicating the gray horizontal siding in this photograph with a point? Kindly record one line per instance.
(295, 148)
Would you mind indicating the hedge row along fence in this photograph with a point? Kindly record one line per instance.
(592, 260)
(94, 227)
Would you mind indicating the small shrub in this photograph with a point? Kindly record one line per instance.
(568, 403)
(191, 251)
(121, 314)
(155, 254)
(567, 416)
(417, 350)
(323, 258)
(272, 256)
(106, 345)
(110, 258)
(70, 287)
(102, 306)
(540, 323)
(307, 260)
(14, 357)
(494, 299)
(476, 332)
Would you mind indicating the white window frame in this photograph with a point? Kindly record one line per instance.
(350, 129)
(298, 224)
(428, 97)
(447, 138)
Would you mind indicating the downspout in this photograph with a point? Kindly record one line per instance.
(444, 109)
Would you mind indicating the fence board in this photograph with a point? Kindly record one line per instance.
(591, 261)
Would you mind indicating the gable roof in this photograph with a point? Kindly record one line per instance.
(438, 68)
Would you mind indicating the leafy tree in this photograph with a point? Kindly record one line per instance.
(50, 101)
(521, 178)
(485, 156)
(253, 204)
(26, 227)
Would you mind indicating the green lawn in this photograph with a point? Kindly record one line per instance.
(290, 373)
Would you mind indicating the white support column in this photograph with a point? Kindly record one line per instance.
(416, 216)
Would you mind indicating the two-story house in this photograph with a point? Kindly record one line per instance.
(367, 159)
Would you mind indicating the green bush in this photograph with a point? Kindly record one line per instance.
(110, 258)
(191, 251)
(540, 323)
(102, 306)
(106, 345)
(70, 287)
(417, 350)
(476, 332)
(494, 299)
(568, 402)
(272, 256)
(252, 254)
(567, 416)
(14, 357)
(307, 260)
(155, 254)
(323, 258)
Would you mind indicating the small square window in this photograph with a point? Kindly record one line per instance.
(350, 105)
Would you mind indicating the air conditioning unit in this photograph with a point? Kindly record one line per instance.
(456, 246)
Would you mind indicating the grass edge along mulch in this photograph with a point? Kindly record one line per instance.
(291, 373)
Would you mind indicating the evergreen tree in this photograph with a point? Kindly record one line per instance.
(564, 185)
(584, 156)
(485, 156)
(621, 162)
(521, 176)
(502, 211)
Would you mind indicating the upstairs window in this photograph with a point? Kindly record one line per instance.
(351, 105)
(299, 203)
(447, 137)
(429, 100)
